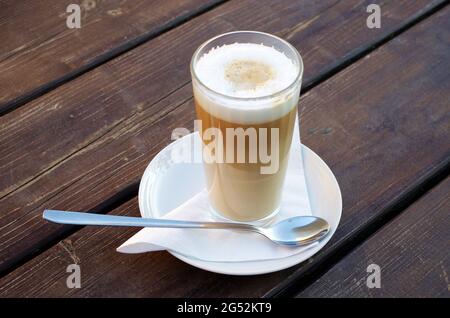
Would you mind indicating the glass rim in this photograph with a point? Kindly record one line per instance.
(264, 97)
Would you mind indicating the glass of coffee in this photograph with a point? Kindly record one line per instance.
(246, 88)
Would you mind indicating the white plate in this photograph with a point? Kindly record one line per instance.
(166, 184)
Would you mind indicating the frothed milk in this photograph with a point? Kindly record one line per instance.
(251, 89)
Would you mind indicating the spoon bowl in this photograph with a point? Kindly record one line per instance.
(300, 230)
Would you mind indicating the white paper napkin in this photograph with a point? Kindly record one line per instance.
(228, 245)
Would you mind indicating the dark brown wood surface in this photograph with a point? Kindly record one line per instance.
(366, 122)
(38, 50)
(412, 252)
(78, 146)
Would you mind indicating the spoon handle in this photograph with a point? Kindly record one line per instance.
(82, 218)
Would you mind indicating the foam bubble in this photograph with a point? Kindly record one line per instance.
(246, 70)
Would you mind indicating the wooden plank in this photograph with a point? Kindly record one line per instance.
(79, 145)
(39, 51)
(412, 252)
(366, 122)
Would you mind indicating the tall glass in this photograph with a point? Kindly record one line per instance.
(246, 176)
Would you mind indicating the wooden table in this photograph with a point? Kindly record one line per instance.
(84, 110)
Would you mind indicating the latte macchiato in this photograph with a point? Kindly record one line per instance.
(246, 89)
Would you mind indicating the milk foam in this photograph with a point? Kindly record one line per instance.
(246, 71)
(219, 70)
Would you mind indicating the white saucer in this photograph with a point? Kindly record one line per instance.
(167, 183)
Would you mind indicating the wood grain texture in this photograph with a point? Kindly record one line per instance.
(91, 138)
(412, 252)
(38, 50)
(381, 124)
